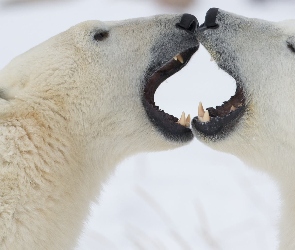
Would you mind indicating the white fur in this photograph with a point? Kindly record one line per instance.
(70, 110)
(256, 52)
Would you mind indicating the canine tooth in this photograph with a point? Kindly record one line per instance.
(232, 108)
(175, 58)
(179, 58)
(201, 111)
(206, 117)
(188, 121)
(181, 121)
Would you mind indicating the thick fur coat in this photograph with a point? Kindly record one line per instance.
(70, 110)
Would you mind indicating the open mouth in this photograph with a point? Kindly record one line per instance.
(170, 126)
(216, 123)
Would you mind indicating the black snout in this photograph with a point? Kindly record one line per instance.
(188, 23)
(210, 19)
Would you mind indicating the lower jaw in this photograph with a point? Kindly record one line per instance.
(218, 128)
(169, 129)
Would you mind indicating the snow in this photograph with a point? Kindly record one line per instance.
(189, 198)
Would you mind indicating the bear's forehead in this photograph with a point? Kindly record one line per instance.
(288, 26)
(89, 25)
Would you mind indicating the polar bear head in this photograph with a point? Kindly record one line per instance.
(101, 78)
(256, 123)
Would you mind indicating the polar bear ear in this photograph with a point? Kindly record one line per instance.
(291, 43)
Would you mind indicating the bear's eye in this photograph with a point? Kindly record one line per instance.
(291, 47)
(101, 35)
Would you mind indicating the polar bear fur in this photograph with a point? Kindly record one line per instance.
(261, 56)
(70, 110)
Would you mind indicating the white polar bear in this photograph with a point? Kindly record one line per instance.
(71, 109)
(257, 123)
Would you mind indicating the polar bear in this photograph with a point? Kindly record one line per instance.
(71, 109)
(257, 122)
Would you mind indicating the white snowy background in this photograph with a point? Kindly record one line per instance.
(189, 198)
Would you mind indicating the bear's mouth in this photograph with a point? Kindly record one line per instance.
(216, 123)
(170, 126)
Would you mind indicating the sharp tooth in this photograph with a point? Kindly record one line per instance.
(179, 57)
(188, 121)
(175, 58)
(201, 111)
(206, 117)
(181, 121)
(232, 108)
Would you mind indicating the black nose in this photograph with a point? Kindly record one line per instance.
(188, 23)
(210, 19)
